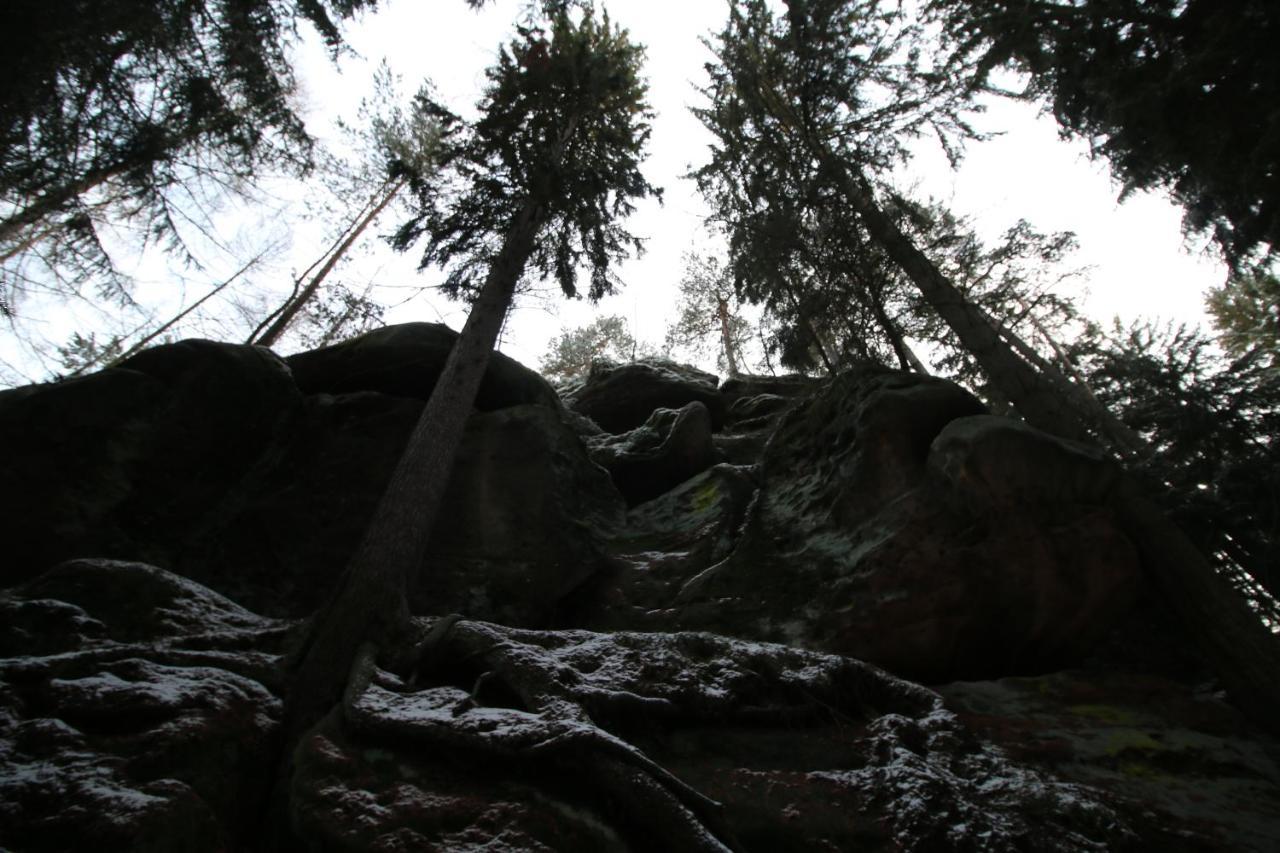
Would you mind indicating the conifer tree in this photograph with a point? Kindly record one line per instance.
(570, 356)
(834, 90)
(830, 93)
(1246, 315)
(1177, 95)
(537, 186)
(708, 311)
(128, 104)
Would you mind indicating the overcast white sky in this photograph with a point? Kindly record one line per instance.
(1140, 264)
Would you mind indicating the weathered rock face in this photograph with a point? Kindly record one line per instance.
(792, 551)
(137, 712)
(622, 397)
(654, 458)
(896, 525)
(212, 460)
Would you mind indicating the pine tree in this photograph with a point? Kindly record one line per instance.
(1178, 96)
(130, 104)
(538, 185)
(830, 94)
(834, 91)
(570, 356)
(708, 312)
(1246, 315)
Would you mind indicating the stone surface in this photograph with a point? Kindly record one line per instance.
(404, 361)
(140, 719)
(127, 463)
(622, 397)
(871, 539)
(524, 523)
(622, 737)
(207, 459)
(683, 674)
(650, 460)
(1168, 753)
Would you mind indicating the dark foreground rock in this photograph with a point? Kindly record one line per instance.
(699, 622)
(896, 524)
(256, 477)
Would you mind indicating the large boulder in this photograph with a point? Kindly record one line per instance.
(894, 526)
(669, 448)
(405, 361)
(139, 719)
(208, 459)
(622, 397)
(523, 524)
(128, 462)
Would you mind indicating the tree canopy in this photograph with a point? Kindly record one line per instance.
(126, 104)
(1179, 95)
(563, 126)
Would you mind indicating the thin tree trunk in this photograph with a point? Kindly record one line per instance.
(295, 304)
(906, 358)
(1119, 431)
(1034, 398)
(371, 602)
(146, 339)
(57, 198)
(726, 336)
(813, 332)
(1245, 653)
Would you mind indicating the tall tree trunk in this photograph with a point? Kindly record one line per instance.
(1245, 653)
(295, 304)
(371, 601)
(56, 199)
(1034, 398)
(1124, 440)
(907, 359)
(726, 336)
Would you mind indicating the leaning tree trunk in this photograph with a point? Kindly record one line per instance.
(1034, 398)
(371, 603)
(726, 336)
(290, 309)
(1244, 652)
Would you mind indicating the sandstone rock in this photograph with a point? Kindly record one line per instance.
(404, 361)
(622, 397)
(520, 527)
(736, 389)
(797, 751)
(523, 524)
(134, 602)
(868, 539)
(145, 729)
(206, 459)
(127, 463)
(662, 544)
(1180, 761)
(669, 448)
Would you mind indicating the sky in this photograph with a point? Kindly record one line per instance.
(1140, 265)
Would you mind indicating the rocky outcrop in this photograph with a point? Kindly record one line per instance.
(256, 476)
(622, 397)
(895, 524)
(652, 459)
(138, 711)
(685, 617)
(404, 361)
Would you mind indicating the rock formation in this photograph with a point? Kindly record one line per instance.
(660, 613)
